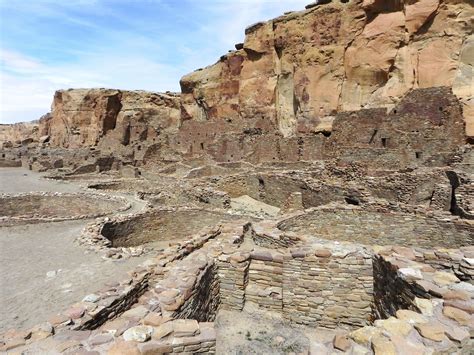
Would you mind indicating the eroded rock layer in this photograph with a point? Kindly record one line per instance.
(89, 117)
(381, 83)
(295, 72)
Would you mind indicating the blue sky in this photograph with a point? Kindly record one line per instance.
(47, 45)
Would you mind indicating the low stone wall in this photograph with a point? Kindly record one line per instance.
(233, 279)
(274, 238)
(329, 286)
(158, 225)
(204, 300)
(391, 291)
(187, 336)
(5, 163)
(265, 282)
(179, 294)
(459, 261)
(37, 207)
(111, 307)
(329, 289)
(92, 236)
(429, 311)
(378, 225)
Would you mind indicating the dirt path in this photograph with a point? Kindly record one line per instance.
(42, 271)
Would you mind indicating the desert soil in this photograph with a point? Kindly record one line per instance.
(42, 271)
(254, 331)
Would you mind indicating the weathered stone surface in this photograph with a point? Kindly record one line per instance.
(68, 345)
(425, 306)
(154, 319)
(19, 131)
(382, 345)
(411, 274)
(411, 317)
(361, 58)
(431, 330)
(444, 278)
(41, 331)
(136, 312)
(75, 312)
(341, 342)
(13, 344)
(395, 326)
(154, 347)
(162, 331)
(278, 98)
(91, 298)
(124, 348)
(101, 339)
(364, 335)
(322, 253)
(59, 319)
(83, 117)
(138, 333)
(457, 334)
(458, 315)
(185, 327)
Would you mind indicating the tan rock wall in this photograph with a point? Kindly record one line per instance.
(110, 118)
(299, 69)
(17, 132)
(281, 95)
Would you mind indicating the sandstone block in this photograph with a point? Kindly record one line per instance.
(139, 334)
(431, 330)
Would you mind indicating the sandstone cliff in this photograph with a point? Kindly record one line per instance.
(369, 81)
(17, 132)
(295, 72)
(89, 117)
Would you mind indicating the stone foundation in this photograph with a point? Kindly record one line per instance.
(382, 298)
(307, 286)
(377, 225)
(39, 207)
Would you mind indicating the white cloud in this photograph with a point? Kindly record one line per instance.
(131, 57)
(18, 63)
(235, 16)
(28, 86)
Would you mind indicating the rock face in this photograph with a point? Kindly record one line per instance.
(17, 132)
(87, 117)
(296, 71)
(385, 83)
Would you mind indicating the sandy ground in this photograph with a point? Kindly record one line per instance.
(29, 252)
(247, 205)
(257, 332)
(16, 180)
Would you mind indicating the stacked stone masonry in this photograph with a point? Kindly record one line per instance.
(308, 284)
(348, 126)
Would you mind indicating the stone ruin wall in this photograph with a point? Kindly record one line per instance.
(308, 288)
(415, 133)
(431, 188)
(374, 225)
(419, 307)
(203, 302)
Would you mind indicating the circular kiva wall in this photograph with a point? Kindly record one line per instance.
(39, 207)
(377, 228)
(161, 226)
